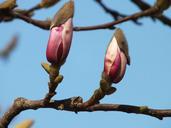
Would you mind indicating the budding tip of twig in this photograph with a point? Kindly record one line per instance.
(58, 79)
(46, 67)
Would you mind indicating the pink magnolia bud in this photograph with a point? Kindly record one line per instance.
(115, 58)
(59, 43)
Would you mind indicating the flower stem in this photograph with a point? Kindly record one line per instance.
(55, 79)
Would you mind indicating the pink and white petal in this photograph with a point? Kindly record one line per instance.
(122, 69)
(67, 37)
(54, 42)
(111, 54)
(115, 68)
(59, 53)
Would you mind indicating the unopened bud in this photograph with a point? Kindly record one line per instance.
(59, 43)
(61, 35)
(117, 57)
(163, 4)
(8, 5)
(48, 3)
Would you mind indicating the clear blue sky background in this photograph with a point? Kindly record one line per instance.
(147, 80)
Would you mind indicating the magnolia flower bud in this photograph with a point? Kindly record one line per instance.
(48, 3)
(117, 56)
(61, 35)
(163, 4)
(8, 5)
(59, 43)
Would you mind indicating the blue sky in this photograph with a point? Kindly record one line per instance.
(146, 82)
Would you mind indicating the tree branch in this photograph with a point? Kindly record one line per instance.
(9, 47)
(22, 104)
(115, 14)
(148, 12)
(110, 25)
(11, 14)
(43, 4)
(39, 23)
(162, 18)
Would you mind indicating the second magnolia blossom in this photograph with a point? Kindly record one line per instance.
(61, 32)
(116, 57)
(59, 42)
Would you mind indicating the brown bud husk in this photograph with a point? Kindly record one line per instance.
(46, 67)
(58, 79)
(110, 91)
(25, 124)
(8, 5)
(106, 87)
(163, 4)
(66, 12)
(48, 3)
(106, 78)
(123, 44)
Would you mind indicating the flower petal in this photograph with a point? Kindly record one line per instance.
(116, 66)
(111, 54)
(54, 42)
(67, 37)
(122, 68)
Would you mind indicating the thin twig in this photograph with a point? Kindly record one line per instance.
(55, 79)
(45, 24)
(34, 8)
(9, 47)
(115, 14)
(39, 23)
(148, 12)
(43, 4)
(11, 14)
